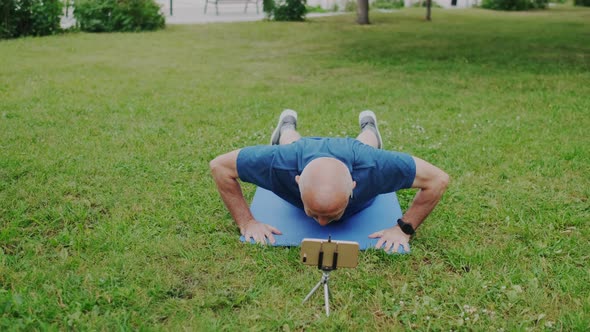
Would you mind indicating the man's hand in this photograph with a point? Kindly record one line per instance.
(392, 238)
(259, 232)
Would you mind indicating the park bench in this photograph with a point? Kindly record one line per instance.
(216, 2)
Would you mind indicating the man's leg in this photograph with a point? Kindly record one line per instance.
(369, 132)
(286, 130)
(289, 136)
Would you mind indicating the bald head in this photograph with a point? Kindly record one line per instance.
(325, 185)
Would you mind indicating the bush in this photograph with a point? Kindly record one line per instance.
(29, 17)
(118, 15)
(514, 4)
(582, 3)
(316, 9)
(285, 10)
(388, 4)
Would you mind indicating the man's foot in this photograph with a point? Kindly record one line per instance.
(368, 120)
(287, 120)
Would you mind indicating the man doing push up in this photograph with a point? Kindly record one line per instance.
(328, 178)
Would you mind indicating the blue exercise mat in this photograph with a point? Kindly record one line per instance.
(296, 225)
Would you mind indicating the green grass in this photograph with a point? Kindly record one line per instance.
(110, 219)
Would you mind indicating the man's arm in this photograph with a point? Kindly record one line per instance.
(432, 183)
(225, 173)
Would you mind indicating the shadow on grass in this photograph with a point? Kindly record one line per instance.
(460, 40)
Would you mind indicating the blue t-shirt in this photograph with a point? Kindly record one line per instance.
(274, 167)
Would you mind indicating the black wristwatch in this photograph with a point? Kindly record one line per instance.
(406, 228)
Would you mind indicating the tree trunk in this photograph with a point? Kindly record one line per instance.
(362, 12)
(428, 6)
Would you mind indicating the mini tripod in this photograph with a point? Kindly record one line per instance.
(324, 280)
(327, 256)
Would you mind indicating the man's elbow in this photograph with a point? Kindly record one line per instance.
(216, 166)
(443, 181)
(221, 168)
(213, 164)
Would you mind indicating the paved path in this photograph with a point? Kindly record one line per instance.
(192, 12)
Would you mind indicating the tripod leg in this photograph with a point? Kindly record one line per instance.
(326, 298)
(313, 290)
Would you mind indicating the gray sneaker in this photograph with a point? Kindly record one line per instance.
(368, 120)
(286, 119)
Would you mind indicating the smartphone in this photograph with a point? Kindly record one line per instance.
(329, 254)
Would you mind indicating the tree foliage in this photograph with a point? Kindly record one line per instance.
(29, 17)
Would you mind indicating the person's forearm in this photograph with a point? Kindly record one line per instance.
(423, 204)
(231, 194)
(225, 177)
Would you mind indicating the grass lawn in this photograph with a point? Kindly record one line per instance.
(110, 220)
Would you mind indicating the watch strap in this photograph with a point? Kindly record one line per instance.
(405, 227)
